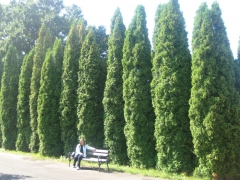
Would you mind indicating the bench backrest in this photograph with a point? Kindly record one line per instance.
(99, 152)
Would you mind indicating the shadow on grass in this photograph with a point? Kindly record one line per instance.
(13, 176)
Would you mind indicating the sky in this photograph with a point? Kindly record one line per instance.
(100, 12)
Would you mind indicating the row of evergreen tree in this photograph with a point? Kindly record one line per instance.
(162, 108)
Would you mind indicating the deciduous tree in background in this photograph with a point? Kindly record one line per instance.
(21, 21)
(113, 101)
(23, 112)
(8, 99)
(43, 43)
(171, 90)
(238, 52)
(138, 110)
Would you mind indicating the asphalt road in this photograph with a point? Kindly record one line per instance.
(14, 166)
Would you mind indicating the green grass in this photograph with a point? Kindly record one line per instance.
(113, 167)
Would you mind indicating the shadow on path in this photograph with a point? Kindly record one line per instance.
(13, 176)
(102, 170)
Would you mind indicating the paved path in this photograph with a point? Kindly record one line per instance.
(14, 166)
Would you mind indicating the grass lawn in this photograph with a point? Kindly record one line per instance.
(113, 167)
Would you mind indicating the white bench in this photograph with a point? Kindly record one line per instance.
(100, 156)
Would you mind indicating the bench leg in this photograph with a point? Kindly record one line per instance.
(99, 165)
(69, 159)
(107, 166)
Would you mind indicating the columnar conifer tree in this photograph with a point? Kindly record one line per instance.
(1, 68)
(23, 112)
(171, 90)
(9, 92)
(1, 72)
(89, 98)
(48, 102)
(43, 43)
(102, 42)
(113, 101)
(237, 68)
(68, 104)
(214, 101)
(138, 110)
(157, 27)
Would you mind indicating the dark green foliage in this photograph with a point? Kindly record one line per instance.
(102, 42)
(157, 27)
(138, 110)
(101, 39)
(237, 69)
(68, 104)
(171, 86)
(48, 102)
(214, 102)
(9, 92)
(90, 117)
(1, 72)
(1, 68)
(23, 112)
(43, 43)
(113, 101)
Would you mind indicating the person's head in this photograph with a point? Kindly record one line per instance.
(82, 141)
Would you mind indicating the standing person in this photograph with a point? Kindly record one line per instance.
(80, 152)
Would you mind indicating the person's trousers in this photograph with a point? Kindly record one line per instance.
(78, 159)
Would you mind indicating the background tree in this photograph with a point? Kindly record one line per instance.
(43, 43)
(9, 92)
(214, 102)
(138, 110)
(113, 101)
(73, 13)
(21, 21)
(48, 103)
(172, 69)
(68, 103)
(238, 52)
(23, 112)
(90, 117)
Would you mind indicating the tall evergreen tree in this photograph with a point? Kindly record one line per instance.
(157, 27)
(138, 110)
(9, 92)
(68, 104)
(113, 101)
(171, 85)
(90, 117)
(1, 72)
(1, 68)
(214, 101)
(23, 112)
(43, 43)
(48, 102)
(237, 68)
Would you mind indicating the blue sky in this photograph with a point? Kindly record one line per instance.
(100, 12)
